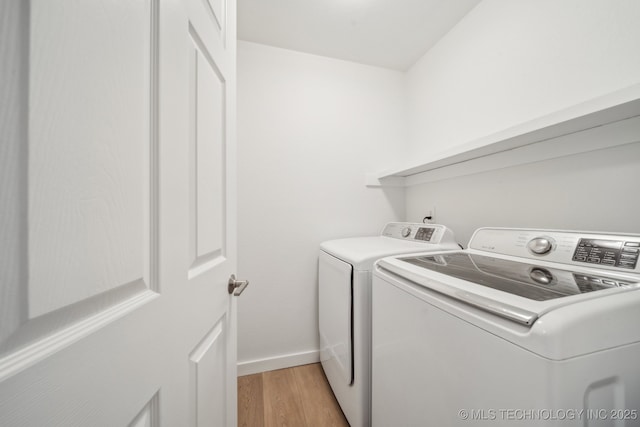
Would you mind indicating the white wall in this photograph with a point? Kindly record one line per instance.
(591, 191)
(309, 129)
(508, 62)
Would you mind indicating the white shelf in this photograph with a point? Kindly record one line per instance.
(600, 123)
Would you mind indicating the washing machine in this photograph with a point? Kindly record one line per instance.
(345, 306)
(525, 327)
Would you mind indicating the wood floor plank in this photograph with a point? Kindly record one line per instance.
(250, 401)
(294, 397)
(282, 403)
(319, 404)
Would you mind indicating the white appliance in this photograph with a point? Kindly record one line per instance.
(525, 327)
(345, 306)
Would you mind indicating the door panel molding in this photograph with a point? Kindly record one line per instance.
(207, 367)
(44, 336)
(208, 153)
(89, 151)
(217, 9)
(149, 416)
(154, 148)
(41, 323)
(200, 19)
(14, 96)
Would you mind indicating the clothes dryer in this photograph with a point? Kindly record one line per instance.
(345, 306)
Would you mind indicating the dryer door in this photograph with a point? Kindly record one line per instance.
(336, 317)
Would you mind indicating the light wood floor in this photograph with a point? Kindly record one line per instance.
(293, 397)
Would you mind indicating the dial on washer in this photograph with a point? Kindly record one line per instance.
(540, 245)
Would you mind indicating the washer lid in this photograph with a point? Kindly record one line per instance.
(519, 278)
(516, 290)
(361, 252)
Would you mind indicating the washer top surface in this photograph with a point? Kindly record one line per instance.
(573, 293)
(396, 238)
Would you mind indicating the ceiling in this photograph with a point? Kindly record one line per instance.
(385, 33)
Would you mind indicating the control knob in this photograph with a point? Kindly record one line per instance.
(406, 231)
(540, 245)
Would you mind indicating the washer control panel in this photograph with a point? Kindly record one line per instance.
(615, 253)
(581, 248)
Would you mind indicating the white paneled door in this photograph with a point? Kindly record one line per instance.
(117, 221)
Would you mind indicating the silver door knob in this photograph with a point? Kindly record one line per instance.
(236, 286)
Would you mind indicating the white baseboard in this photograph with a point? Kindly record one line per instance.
(278, 362)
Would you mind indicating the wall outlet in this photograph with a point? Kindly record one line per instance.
(430, 217)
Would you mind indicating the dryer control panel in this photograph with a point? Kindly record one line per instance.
(418, 232)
